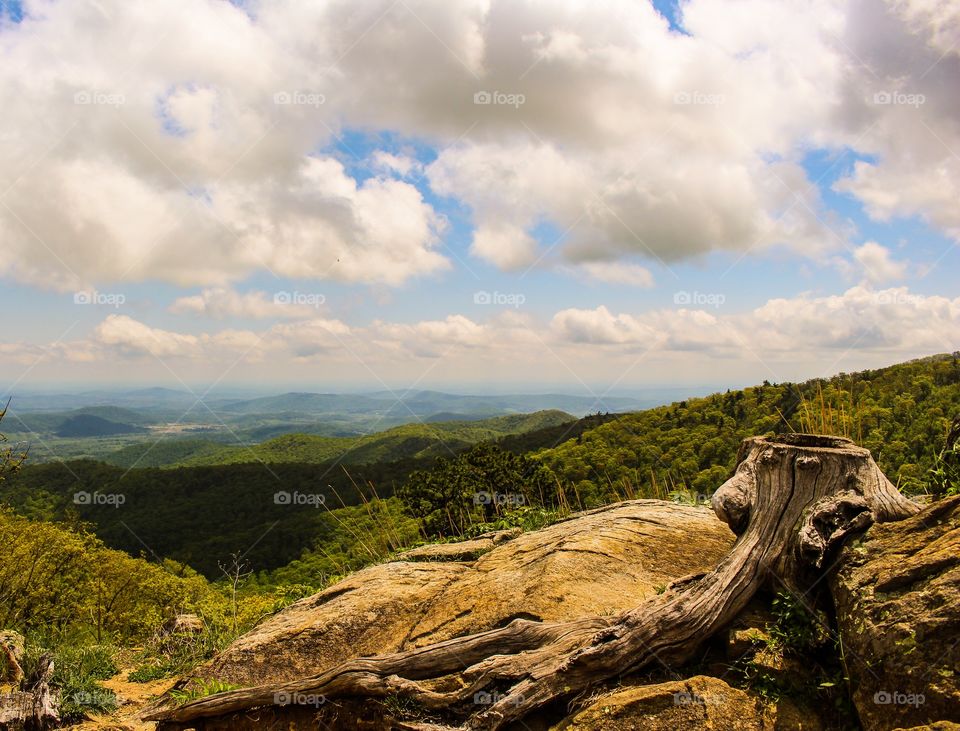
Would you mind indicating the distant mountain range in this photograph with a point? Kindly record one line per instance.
(162, 426)
(421, 404)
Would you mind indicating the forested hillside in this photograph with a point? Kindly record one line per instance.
(408, 441)
(200, 515)
(901, 414)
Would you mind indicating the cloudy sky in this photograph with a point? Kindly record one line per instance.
(602, 193)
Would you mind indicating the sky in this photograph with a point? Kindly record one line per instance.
(476, 193)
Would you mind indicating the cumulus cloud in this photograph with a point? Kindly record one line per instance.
(202, 143)
(190, 157)
(220, 303)
(878, 267)
(599, 326)
(194, 156)
(783, 338)
(617, 273)
(133, 337)
(862, 318)
(901, 101)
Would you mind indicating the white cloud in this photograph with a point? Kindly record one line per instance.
(785, 338)
(631, 140)
(617, 273)
(861, 319)
(133, 337)
(877, 265)
(402, 165)
(220, 303)
(431, 338)
(902, 105)
(599, 326)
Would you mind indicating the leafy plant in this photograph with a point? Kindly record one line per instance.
(77, 670)
(944, 476)
(201, 689)
(527, 518)
(795, 628)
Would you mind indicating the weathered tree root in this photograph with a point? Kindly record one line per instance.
(792, 502)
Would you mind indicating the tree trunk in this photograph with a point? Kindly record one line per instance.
(34, 705)
(792, 501)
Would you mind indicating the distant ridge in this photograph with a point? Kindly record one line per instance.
(89, 425)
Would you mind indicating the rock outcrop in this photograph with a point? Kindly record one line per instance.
(897, 594)
(600, 562)
(700, 702)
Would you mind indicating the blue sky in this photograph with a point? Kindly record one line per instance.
(731, 202)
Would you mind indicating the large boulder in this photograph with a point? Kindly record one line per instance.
(897, 593)
(602, 561)
(700, 702)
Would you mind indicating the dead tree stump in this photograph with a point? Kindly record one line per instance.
(792, 501)
(34, 705)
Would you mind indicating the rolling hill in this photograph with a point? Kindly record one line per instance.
(90, 425)
(81, 419)
(416, 441)
(201, 514)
